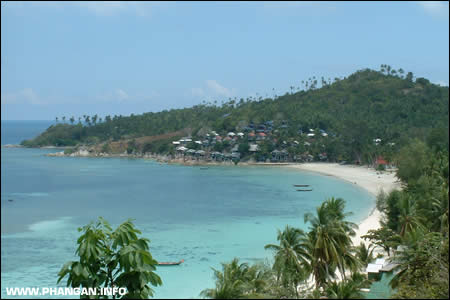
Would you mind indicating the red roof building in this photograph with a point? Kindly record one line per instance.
(381, 161)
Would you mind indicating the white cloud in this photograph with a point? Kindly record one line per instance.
(98, 8)
(121, 95)
(103, 8)
(25, 96)
(118, 95)
(300, 7)
(212, 89)
(218, 89)
(197, 92)
(442, 83)
(435, 8)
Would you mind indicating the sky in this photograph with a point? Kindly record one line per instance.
(117, 58)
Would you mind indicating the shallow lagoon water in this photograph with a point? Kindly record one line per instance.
(202, 216)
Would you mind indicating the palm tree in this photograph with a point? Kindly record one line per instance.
(336, 208)
(329, 240)
(409, 219)
(388, 69)
(291, 257)
(364, 254)
(229, 282)
(258, 281)
(346, 289)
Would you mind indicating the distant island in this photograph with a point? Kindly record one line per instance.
(363, 119)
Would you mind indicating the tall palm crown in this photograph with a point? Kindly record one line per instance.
(291, 256)
(329, 240)
(230, 283)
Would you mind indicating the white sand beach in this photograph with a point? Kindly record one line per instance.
(367, 178)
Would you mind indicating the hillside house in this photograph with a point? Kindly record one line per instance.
(261, 136)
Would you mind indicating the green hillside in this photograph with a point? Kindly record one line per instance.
(353, 112)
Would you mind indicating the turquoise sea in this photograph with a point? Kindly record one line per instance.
(202, 216)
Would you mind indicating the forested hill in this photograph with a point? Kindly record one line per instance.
(355, 110)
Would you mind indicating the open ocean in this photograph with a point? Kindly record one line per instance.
(202, 216)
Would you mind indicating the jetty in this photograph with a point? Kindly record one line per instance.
(381, 265)
(170, 263)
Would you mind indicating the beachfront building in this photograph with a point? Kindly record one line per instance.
(253, 148)
(180, 151)
(323, 156)
(235, 156)
(199, 154)
(190, 152)
(279, 156)
(217, 156)
(380, 161)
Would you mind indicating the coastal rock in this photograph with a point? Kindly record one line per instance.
(56, 154)
(82, 152)
(12, 146)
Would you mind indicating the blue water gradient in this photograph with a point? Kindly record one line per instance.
(202, 216)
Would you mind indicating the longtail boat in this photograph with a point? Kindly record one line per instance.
(170, 263)
(301, 185)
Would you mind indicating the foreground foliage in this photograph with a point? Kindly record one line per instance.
(415, 221)
(112, 258)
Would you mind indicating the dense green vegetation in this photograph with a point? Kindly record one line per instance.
(322, 253)
(416, 218)
(353, 111)
(112, 259)
(413, 234)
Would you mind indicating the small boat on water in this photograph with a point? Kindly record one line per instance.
(170, 263)
(304, 190)
(204, 168)
(301, 185)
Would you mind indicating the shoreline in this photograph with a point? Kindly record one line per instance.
(367, 178)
